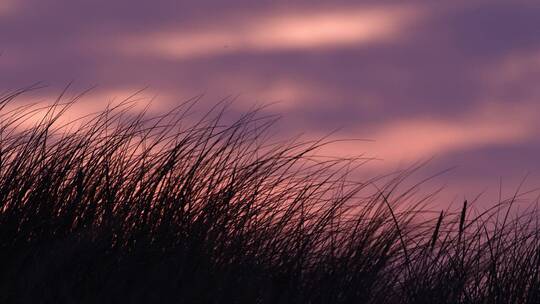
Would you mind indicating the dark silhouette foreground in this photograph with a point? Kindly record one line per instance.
(124, 208)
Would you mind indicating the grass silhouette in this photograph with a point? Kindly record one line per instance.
(136, 209)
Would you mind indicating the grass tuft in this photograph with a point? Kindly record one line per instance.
(120, 206)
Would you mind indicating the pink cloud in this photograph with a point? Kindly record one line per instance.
(403, 142)
(93, 102)
(7, 7)
(286, 31)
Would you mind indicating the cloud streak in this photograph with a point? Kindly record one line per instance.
(404, 141)
(7, 7)
(285, 31)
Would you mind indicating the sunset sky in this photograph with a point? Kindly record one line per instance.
(456, 81)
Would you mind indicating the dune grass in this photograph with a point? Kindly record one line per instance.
(125, 207)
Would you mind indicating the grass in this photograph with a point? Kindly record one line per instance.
(127, 207)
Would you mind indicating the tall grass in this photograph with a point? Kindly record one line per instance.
(123, 207)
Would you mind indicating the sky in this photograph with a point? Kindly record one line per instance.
(455, 82)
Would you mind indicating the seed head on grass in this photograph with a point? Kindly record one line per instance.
(121, 206)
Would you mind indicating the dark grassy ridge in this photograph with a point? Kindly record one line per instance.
(129, 209)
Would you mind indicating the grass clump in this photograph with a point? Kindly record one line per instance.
(131, 208)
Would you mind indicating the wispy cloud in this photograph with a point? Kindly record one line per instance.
(35, 104)
(413, 139)
(7, 7)
(291, 31)
(514, 68)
